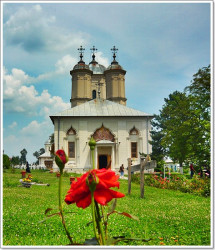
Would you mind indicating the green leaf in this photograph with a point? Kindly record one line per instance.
(125, 214)
(112, 206)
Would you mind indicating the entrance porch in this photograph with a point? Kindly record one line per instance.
(105, 154)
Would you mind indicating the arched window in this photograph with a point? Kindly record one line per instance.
(71, 134)
(94, 94)
(134, 135)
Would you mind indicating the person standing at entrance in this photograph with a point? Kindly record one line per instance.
(121, 170)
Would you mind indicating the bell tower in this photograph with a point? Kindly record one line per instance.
(81, 82)
(115, 81)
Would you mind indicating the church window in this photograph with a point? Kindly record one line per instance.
(71, 149)
(133, 149)
(94, 94)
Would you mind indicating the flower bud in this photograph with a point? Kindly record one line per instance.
(92, 181)
(92, 143)
(61, 159)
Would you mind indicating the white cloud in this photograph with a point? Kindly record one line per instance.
(13, 125)
(65, 64)
(35, 30)
(36, 128)
(31, 137)
(101, 59)
(25, 99)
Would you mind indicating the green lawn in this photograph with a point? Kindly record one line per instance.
(162, 213)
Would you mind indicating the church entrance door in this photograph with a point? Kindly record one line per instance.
(48, 164)
(102, 161)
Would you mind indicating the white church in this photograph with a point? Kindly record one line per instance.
(98, 110)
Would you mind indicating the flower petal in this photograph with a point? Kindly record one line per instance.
(103, 196)
(84, 202)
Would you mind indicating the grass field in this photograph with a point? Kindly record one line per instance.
(168, 217)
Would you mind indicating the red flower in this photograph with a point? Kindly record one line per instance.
(61, 159)
(61, 154)
(100, 181)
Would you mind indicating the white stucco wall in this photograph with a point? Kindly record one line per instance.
(86, 126)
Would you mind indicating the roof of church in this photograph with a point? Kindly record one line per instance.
(46, 154)
(101, 107)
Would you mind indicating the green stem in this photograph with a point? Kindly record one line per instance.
(104, 221)
(93, 216)
(100, 224)
(93, 160)
(61, 209)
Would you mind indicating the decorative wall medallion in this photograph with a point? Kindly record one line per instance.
(134, 131)
(71, 131)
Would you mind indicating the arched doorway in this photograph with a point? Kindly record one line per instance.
(102, 161)
(105, 148)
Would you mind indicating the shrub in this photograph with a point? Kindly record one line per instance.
(196, 185)
(6, 161)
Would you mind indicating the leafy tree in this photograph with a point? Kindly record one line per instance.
(182, 129)
(52, 138)
(38, 153)
(199, 94)
(23, 156)
(173, 128)
(158, 151)
(6, 161)
(15, 160)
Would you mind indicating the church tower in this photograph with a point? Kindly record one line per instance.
(115, 81)
(98, 79)
(81, 82)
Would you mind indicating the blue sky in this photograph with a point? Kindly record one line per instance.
(161, 45)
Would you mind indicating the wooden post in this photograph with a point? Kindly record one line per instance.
(142, 165)
(129, 175)
(142, 177)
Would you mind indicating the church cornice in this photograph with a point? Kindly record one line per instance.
(80, 71)
(114, 71)
(80, 99)
(118, 98)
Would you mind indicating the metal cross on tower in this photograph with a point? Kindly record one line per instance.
(81, 51)
(93, 49)
(114, 51)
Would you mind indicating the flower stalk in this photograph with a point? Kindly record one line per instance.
(61, 160)
(99, 223)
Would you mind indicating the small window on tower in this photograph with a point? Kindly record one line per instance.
(94, 94)
(133, 149)
(71, 149)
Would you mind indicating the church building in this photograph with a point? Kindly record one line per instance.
(98, 110)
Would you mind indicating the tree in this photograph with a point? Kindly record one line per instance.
(15, 160)
(52, 138)
(199, 94)
(23, 156)
(182, 129)
(38, 153)
(6, 161)
(158, 151)
(173, 130)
